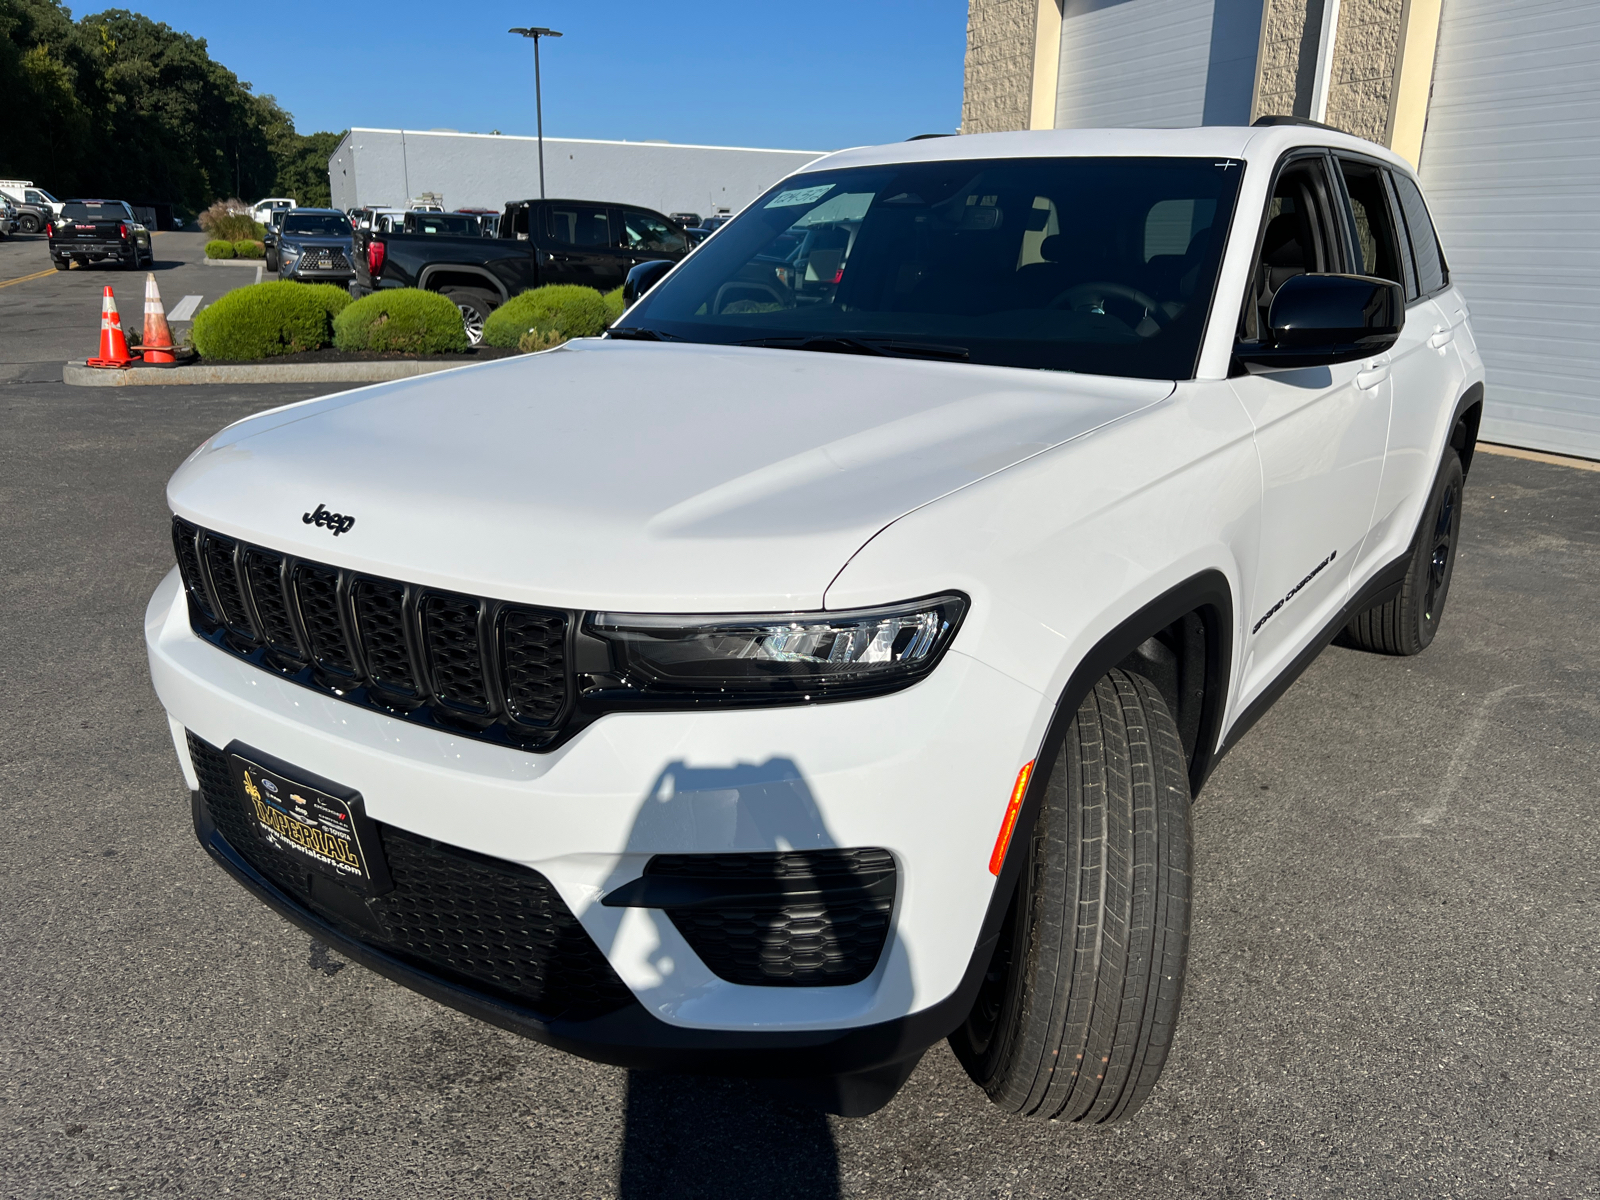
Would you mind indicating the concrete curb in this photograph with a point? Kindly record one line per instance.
(80, 375)
(234, 262)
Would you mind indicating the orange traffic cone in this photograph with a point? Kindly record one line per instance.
(113, 346)
(157, 344)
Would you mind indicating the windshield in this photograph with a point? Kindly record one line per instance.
(317, 224)
(452, 225)
(1100, 265)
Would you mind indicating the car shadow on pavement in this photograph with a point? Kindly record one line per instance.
(692, 1138)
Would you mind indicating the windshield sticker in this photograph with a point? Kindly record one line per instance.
(799, 196)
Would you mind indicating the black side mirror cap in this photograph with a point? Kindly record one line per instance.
(643, 277)
(1317, 320)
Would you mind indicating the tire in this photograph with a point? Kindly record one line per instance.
(475, 308)
(272, 260)
(1408, 623)
(61, 264)
(29, 223)
(1094, 983)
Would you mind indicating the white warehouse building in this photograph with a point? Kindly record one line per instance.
(391, 167)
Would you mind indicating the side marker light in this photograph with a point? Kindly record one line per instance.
(1009, 825)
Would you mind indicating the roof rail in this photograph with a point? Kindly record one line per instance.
(922, 137)
(1282, 120)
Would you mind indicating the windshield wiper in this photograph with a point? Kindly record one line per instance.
(641, 334)
(850, 345)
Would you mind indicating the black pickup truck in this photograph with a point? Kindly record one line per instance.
(94, 230)
(587, 242)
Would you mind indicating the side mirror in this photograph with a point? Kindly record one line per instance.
(643, 277)
(1321, 319)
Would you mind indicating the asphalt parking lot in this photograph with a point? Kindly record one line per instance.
(1393, 982)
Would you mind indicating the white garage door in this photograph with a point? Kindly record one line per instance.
(1133, 62)
(1511, 167)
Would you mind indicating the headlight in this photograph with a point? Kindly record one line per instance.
(287, 251)
(782, 657)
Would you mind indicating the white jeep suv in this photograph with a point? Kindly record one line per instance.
(824, 662)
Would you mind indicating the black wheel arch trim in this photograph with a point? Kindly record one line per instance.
(1465, 421)
(426, 276)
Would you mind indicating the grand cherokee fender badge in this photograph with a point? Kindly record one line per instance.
(337, 522)
(1293, 592)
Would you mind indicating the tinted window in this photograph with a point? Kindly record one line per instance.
(1376, 243)
(1101, 265)
(580, 225)
(1300, 237)
(95, 211)
(646, 231)
(317, 224)
(1431, 272)
(452, 226)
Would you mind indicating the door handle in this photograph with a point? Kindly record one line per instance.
(1375, 374)
(1441, 337)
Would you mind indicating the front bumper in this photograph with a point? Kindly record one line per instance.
(925, 773)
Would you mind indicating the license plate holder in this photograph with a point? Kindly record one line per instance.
(320, 826)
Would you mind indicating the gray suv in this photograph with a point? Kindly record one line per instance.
(316, 245)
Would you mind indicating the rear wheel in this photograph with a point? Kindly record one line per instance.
(475, 308)
(1408, 623)
(62, 264)
(28, 223)
(1077, 1012)
(272, 260)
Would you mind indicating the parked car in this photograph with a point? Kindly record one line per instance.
(96, 230)
(36, 207)
(316, 245)
(823, 665)
(269, 236)
(571, 241)
(261, 211)
(686, 219)
(8, 217)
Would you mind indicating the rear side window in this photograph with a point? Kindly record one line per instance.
(1432, 274)
(1377, 244)
(646, 231)
(580, 225)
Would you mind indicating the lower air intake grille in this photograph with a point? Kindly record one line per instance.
(490, 925)
(477, 667)
(832, 935)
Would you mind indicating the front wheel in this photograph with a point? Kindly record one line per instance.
(475, 307)
(1077, 1012)
(29, 223)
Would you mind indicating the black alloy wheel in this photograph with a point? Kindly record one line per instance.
(29, 223)
(1408, 623)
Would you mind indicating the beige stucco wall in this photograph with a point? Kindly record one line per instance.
(999, 70)
(1365, 53)
(1288, 59)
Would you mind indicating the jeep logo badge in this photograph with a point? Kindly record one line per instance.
(337, 522)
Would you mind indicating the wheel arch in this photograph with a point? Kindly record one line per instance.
(438, 276)
(1464, 425)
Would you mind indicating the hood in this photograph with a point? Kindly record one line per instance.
(633, 476)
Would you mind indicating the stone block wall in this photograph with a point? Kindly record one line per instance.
(1288, 58)
(998, 96)
(1365, 54)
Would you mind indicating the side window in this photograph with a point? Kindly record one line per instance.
(32, 197)
(646, 231)
(1432, 275)
(580, 225)
(1377, 245)
(517, 227)
(1300, 238)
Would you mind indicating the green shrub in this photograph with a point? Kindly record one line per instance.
(249, 248)
(614, 305)
(541, 337)
(401, 319)
(220, 249)
(562, 308)
(230, 221)
(266, 319)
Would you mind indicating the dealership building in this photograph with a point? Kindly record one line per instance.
(391, 167)
(1496, 102)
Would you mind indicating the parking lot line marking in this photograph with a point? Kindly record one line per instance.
(25, 278)
(1555, 460)
(183, 310)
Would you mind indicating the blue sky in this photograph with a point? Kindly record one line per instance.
(817, 76)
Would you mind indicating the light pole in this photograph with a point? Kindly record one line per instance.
(538, 100)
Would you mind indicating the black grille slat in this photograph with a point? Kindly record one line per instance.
(825, 941)
(218, 553)
(188, 555)
(494, 926)
(317, 589)
(264, 572)
(380, 624)
(533, 664)
(483, 668)
(455, 655)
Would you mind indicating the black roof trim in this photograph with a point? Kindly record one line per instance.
(922, 137)
(1259, 122)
